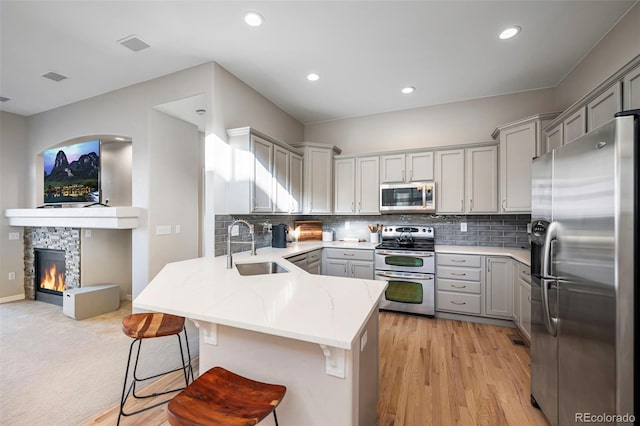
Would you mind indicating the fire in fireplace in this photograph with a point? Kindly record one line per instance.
(49, 274)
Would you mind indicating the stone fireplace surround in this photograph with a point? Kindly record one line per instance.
(56, 238)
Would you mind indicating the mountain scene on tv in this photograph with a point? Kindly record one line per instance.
(71, 174)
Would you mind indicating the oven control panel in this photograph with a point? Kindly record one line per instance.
(415, 231)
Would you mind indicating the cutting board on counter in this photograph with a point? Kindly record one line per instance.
(308, 229)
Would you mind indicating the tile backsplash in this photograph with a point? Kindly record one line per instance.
(482, 230)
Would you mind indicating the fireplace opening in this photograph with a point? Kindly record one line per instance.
(50, 275)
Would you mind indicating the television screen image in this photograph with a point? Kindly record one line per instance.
(72, 173)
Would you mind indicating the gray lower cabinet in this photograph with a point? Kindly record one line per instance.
(522, 298)
(459, 283)
(499, 285)
(474, 285)
(350, 263)
(314, 262)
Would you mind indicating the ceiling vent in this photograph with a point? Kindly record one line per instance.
(54, 76)
(133, 43)
(3, 99)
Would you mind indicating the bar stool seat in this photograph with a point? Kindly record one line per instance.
(147, 326)
(220, 397)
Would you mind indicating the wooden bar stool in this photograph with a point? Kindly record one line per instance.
(148, 326)
(220, 397)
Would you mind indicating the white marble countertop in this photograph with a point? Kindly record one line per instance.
(521, 255)
(297, 305)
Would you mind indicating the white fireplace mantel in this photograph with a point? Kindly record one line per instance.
(90, 217)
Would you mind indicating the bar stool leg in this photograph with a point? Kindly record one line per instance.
(187, 370)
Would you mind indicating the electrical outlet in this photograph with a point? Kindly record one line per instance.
(12, 276)
(463, 226)
(235, 230)
(178, 229)
(87, 233)
(163, 229)
(14, 235)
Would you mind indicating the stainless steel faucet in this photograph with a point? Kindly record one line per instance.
(253, 241)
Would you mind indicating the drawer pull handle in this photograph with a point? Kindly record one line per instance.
(458, 286)
(459, 275)
(348, 254)
(458, 303)
(458, 260)
(526, 272)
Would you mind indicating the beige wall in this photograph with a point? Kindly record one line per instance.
(174, 177)
(616, 49)
(449, 124)
(13, 188)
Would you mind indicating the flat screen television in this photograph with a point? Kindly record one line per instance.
(72, 173)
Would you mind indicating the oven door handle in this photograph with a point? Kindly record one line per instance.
(420, 277)
(388, 253)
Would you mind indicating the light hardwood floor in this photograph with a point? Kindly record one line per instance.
(432, 372)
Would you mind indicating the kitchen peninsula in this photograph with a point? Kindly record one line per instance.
(317, 335)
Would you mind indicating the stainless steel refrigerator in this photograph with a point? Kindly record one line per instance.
(583, 246)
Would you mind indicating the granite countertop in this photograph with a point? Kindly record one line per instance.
(298, 305)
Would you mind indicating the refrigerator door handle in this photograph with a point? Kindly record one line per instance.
(550, 236)
(550, 322)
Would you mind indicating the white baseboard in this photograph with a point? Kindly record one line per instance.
(12, 298)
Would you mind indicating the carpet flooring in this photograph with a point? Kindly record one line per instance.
(55, 370)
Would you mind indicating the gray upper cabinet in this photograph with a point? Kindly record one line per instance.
(317, 177)
(603, 108)
(554, 138)
(631, 88)
(261, 188)
(267, 174)
(482, 179)
(450, 181)
(357, 181)
(409, 167)
(574, 126)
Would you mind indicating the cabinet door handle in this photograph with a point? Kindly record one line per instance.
(461, 205)
(503, 203)
(403, 176)
(458, 286)
(411, 178)
(359, 206)
(352, 270)
(529, 299)
(457, 274)
(353, 204)
(488, 265)
(458, 303)
(471, 205)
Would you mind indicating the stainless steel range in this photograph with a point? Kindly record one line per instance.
(406, 260)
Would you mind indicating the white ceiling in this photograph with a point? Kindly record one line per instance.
(364, 51)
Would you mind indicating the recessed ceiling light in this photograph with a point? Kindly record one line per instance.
(253, 18)
(408, 89)
(509, 32)
(313, 77)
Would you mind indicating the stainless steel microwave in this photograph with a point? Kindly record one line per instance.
(408, 197)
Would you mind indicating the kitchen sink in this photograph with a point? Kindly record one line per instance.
(260, 268)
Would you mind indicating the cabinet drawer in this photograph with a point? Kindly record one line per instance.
(458, 260)
(524, 273)
(297, 258)
(459, 286)
(458, 302)
(350, 254)
(465, 274)
(313, 256)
